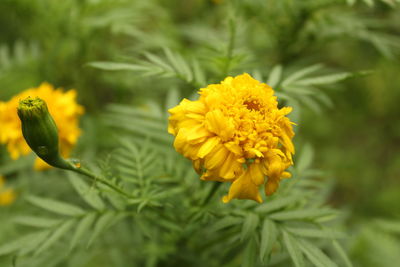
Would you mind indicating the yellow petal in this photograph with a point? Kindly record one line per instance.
(197, 166)
(217, 123)
(256, 174)
(271, 186)
(216, 158)
(286, 175)
(197, 134)
(243, 188)
(208, 145)
(228, 168)
(40, 165)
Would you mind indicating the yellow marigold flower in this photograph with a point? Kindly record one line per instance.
(7, 196)
(62, 106)
(236, 133)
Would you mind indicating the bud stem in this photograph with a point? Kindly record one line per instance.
(95, 178)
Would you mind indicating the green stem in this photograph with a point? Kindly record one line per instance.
(97, 178)
(212, 192)
(231, 46)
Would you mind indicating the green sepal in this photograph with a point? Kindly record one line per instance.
(40, 131)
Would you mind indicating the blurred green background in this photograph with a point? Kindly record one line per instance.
(356, 136)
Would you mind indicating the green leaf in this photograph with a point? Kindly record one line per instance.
(17, 244)
(315, 233)
(55, 206)
(84, 226)
(311, 103)
(113, 66)
(35, 243)
(172, 98)
(302, 214)
(198, 74)
(105, 221)
(342, 254)
(55, 236)
(35, 221)
(370, 3)
(249, 254)
(89, 194)
(278, 203)
(388, 225)
(293, 248)
(179, 65)
(275, 76)
(331, 78)
(315, 255)
(306, 157)
(158, 61)
(301, 73)
(225, 222)
(249, 226)
(269, 234)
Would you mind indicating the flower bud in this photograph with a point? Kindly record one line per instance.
(40, 131)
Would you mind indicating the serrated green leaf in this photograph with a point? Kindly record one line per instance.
(301, 73)
(315, 233)
(388, 225)
(293, 248)
(315, 255)
(35, 221)
(278, 203)
(370, 3)
(83, 227)
(269, 234)
(55, 206)
(302, 214)
(311, 103)
(198, 74)
(331, 78)
(172, 98)
(106, 220)
(249, 254)
(249, 226)
(158, 61)
(19, 243)
(323, 98)
(275, 76)
(342, 254)
(305, 159)
(113, 66)
(90, 195)
(34, 244)
(179, 64)
(55, 236)
(225, 222)
(300, 90)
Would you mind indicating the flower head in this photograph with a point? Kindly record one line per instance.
(64, 110)
(236, 133)
(7, 195)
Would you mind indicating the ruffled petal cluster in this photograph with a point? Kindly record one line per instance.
(63, 108)
(236, 133)
(7, 195)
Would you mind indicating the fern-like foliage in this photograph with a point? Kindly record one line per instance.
(172, 65)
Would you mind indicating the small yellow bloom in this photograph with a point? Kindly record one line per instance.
(7, 196)
(62, 106)
(236, 133)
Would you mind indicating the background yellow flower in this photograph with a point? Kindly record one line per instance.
(62, 106)
(236, 133)
(7, 195)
